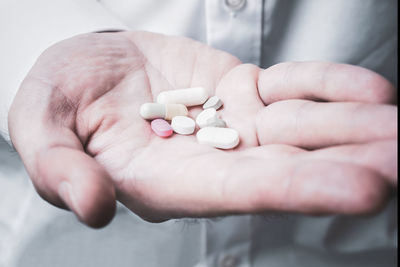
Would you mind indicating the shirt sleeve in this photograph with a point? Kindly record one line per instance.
(28, 27)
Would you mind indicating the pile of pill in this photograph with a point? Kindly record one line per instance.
(172, 106)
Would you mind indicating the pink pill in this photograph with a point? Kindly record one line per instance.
(161, 127)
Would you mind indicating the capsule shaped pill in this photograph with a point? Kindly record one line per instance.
(188, 96)
(161, 128)
(224, 138)
(213, 102)
(183, 125)
(150, 111)
(206, 116)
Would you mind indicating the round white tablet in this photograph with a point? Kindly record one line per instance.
(183, 125)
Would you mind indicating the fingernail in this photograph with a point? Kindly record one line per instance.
(67, 195)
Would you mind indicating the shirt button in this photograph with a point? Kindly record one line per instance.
(229, 261)
(235, 5)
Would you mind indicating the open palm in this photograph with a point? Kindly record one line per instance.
(75, 122)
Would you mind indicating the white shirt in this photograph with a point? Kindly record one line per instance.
(33, 233)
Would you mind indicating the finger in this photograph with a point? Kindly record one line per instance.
(323, 81)
(69, 177)
(380, 156)
(313, 125)
(215, 183)
(61, 171)
(306, 186)
(286, 178)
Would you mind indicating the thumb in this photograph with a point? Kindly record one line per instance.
(67, 177)
(61, 171)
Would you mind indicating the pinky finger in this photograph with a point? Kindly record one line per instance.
(307, 186)
(381, 156)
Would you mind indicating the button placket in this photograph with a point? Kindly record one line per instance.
(239, 34)
(234, 5)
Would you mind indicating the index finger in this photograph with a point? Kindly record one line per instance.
(325, 81)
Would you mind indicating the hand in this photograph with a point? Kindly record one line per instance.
(75, 122)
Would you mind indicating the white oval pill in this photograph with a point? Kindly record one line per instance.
(205, 116)
(183, 125)
(225, 138)
(188, 96)
(213, 102)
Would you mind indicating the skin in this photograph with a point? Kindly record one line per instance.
(316, 137)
